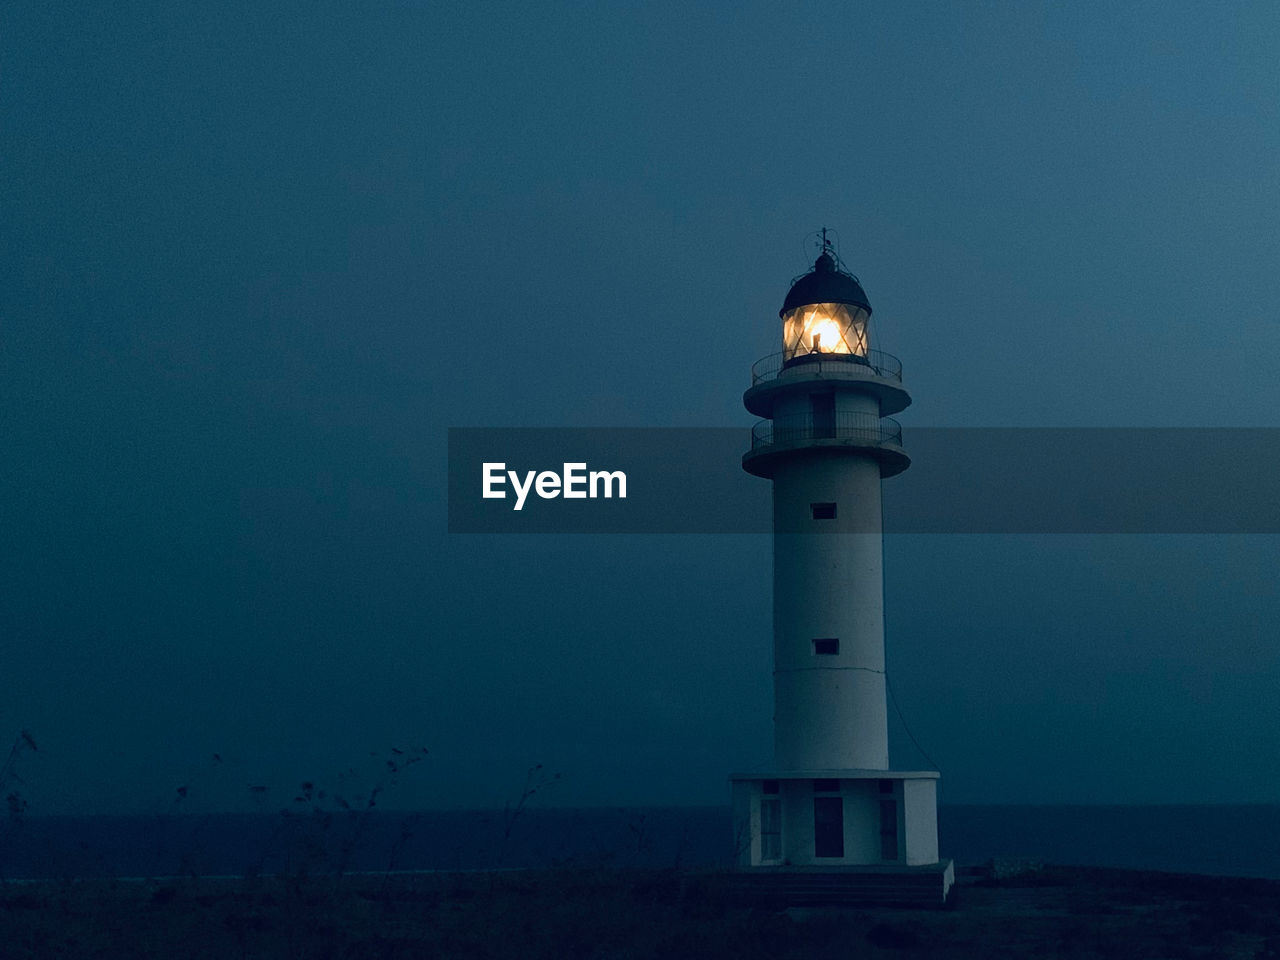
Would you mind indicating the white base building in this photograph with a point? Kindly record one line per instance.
(836, 818)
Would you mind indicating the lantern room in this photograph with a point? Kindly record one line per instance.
(825, 314)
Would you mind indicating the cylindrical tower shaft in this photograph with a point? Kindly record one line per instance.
(826, 443)
(828, 614)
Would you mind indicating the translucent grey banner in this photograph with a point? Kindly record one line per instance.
(961, 480)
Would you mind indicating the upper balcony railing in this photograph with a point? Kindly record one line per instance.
(877, 361)
(862, 429)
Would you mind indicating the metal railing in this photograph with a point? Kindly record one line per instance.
(880, 363)
(861, 428)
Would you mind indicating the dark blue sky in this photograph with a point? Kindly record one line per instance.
(257, 258)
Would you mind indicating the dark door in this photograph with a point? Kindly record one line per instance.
(888, 828)
(823, 408)
(828, 827)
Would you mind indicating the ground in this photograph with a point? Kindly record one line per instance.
(582, 913)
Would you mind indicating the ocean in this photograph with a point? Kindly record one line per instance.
(1222, 840)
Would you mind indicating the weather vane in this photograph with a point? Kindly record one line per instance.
(825, 244)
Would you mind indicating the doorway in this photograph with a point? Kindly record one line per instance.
(822, 406)
(828, 826)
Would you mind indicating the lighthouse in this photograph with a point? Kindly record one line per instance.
(827, 441)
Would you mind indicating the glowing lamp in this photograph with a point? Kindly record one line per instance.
(826, 313)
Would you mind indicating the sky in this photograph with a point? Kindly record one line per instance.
(258, 258)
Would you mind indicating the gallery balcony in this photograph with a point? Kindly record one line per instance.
(856, 433)
(778, 375)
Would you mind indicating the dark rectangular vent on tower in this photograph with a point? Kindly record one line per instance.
(823, 511)
(826, 786)
(826, 646)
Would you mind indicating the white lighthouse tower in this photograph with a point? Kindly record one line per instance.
(831, 802)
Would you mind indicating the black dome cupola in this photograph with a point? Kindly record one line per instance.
(826, 283)
(826, 313)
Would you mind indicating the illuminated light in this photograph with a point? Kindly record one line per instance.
(824, 328)
(826, 336)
